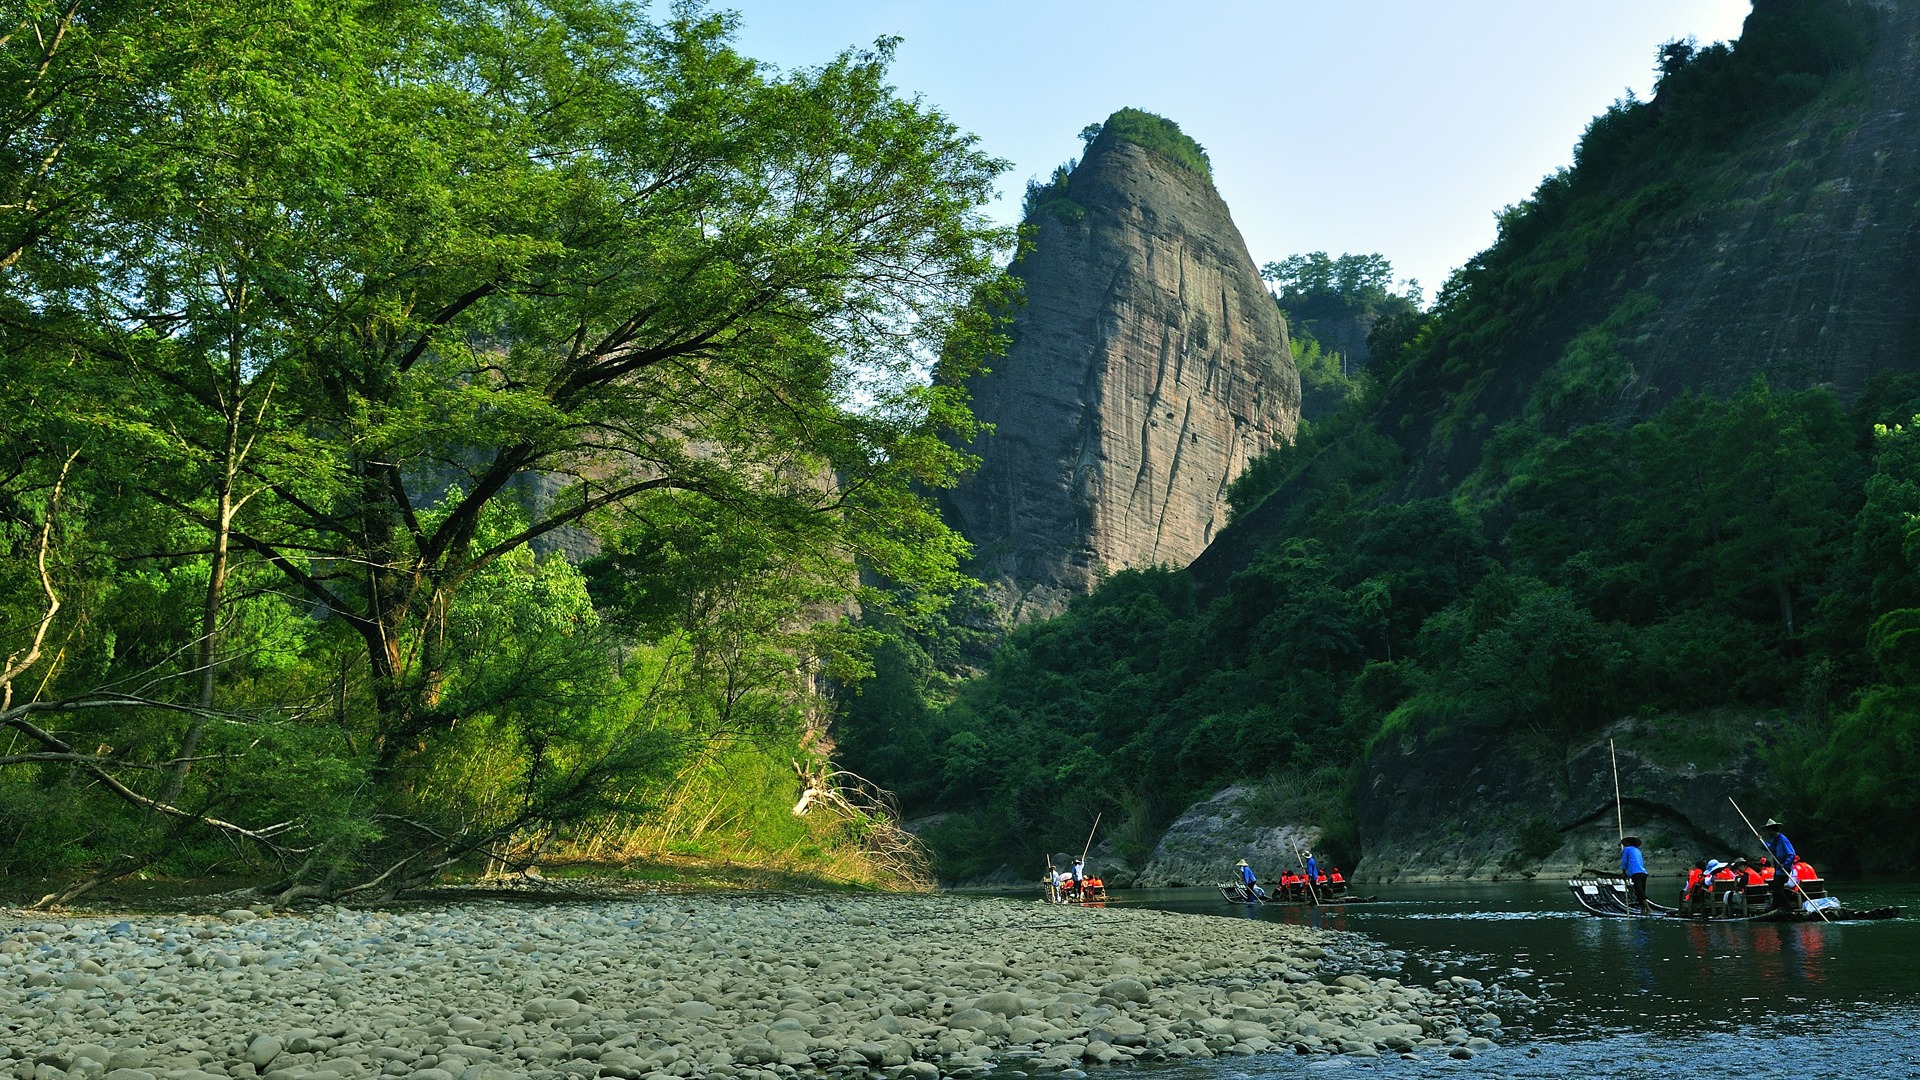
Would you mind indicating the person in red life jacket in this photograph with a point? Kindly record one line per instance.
(1766, 870)
(1733, 896)
(1804, 873)
(1695, 890)
(1337, 880)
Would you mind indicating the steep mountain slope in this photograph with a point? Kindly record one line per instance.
(1759, 217)
(1148, 366)
(1647, 471)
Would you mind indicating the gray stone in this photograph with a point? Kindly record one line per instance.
(1000, 1004)
(262, 1050)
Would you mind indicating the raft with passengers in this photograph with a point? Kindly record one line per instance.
(1309, 884)
(1074, 886)
(1781, 887)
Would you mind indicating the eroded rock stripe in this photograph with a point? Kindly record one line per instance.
(754, 988)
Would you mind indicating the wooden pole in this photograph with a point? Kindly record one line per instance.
(1312, 893)
(1090, 832)
(1619, 815)
(1765, 848)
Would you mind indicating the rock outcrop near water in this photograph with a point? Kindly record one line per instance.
(1148, 366)
(1204, 844)
(1469, 802)
(757, 988)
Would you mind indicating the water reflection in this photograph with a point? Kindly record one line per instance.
(1609, 979)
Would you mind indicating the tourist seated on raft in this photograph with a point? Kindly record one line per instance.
(1731, 894)
(1337, 880)
(1694, 892)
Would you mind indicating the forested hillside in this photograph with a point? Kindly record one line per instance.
(321, 336)
(1531, 515)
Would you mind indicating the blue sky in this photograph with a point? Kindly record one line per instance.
(1397, 126)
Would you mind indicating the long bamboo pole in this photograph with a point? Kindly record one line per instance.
(1619, 815)
(1763, 847)
(1312, 893)
(1090, 832)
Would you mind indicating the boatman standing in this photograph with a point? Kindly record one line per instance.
(1252, 883)
(1634, 865)
(1784, 858)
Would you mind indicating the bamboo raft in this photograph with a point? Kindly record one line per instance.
(1237, 893)
(1610, 898)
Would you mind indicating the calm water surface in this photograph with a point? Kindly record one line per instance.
(1628, 997)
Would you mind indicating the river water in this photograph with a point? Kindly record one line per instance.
(1626, 997)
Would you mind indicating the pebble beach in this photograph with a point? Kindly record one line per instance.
(749, 987)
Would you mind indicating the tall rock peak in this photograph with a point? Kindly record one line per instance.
(1148, 365)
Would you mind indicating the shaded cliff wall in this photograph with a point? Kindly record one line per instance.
(1467, 801)
(1148, 366)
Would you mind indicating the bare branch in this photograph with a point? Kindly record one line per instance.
(17, 664)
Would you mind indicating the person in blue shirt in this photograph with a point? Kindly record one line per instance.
(1252, 883)
(1633, 864)
(1313, 869)
(1784, 857)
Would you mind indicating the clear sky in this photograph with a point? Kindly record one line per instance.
(1396, 126)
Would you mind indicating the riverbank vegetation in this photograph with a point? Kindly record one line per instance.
(438, 433)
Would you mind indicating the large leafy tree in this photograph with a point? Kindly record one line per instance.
(328, 282)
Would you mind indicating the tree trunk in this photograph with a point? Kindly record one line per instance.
(209, 652)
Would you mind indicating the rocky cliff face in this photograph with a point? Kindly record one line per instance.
(1148, 365)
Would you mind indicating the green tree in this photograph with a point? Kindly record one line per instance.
(476, 255)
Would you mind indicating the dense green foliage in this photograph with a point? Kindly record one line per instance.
(1052, 197)
(1151, 132)
(1332, 305)
(322, 327)
(1144, 129)
(1640, 168)
(1659, 568)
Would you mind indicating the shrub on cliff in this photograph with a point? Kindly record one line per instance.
(1151, 132)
